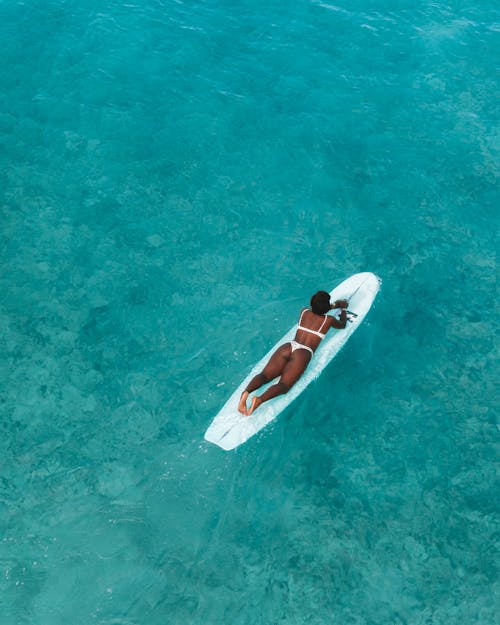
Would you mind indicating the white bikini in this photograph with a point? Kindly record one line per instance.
(296, 345)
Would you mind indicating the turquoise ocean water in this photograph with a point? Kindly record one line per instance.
(176, 180)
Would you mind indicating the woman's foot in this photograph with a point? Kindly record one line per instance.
(242, 406)
(256, 402)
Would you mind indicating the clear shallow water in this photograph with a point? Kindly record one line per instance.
(176, 180)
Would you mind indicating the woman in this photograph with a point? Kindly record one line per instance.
(290, 360)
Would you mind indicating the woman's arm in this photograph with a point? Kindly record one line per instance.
(341, 322)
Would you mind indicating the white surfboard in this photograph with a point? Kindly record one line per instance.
(230, 428)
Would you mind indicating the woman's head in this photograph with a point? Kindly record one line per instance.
(320, 303)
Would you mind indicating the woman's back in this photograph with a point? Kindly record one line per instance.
(312, 328)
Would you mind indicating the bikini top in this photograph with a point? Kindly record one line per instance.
(316, 332)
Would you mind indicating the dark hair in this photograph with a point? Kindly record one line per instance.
(320, 303)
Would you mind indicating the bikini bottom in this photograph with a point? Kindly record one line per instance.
(296, 345)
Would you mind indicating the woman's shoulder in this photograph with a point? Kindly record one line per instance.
(302, 311)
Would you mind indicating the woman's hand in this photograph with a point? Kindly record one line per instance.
(340, 303)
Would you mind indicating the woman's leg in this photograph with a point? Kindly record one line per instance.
(294, 368)
(272, 370)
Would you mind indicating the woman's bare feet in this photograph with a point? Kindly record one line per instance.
(242, 406)
(256, 402)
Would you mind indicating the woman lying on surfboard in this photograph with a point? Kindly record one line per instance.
(290, 360)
